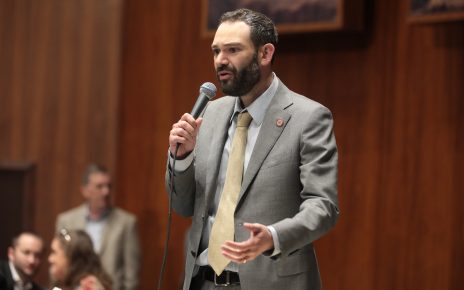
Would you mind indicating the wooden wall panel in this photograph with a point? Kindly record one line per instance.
(17, 200)
(164, 64)
(59, 95)
(396, 92)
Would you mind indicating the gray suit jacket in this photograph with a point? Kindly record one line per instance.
(290, 183)
(120, 250)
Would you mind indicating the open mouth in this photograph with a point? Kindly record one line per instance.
(224, 75)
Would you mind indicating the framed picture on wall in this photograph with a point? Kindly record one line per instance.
(291, 16)
(436, 10)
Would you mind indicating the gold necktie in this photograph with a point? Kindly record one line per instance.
(223, 226)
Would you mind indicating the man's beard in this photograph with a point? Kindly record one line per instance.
(244, 79)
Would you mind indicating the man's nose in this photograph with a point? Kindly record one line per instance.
(221, 59)
(106, 190)
(33, 259)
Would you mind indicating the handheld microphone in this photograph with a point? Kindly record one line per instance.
(207, 92)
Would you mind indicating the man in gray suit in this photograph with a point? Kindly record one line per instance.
(113, 231)
(288, 195)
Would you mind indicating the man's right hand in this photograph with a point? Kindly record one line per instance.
(184, 133)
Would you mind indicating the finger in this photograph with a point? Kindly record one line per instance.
(198, 122)
(237, 258)
(238, 246)
(180, 133)
(174, 140)
(254, 227)
(186, 129)
(188, 118)
(258, 230)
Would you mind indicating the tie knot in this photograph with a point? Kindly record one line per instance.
(244, 119)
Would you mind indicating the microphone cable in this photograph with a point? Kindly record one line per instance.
(168, 230)
(207, 91)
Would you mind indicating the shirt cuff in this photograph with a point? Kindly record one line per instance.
(183, 164)
(275, 239)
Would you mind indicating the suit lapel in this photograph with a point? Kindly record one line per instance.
(221, 118)
(274, 123)
(7, 274)
(106, 230)
(81, 218)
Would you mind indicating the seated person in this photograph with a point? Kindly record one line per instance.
(24, 257)
(74, 265)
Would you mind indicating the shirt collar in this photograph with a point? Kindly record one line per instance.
(17, 280)
(258, 108)
(102, 217)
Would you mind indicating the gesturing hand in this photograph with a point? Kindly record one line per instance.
(260, 240)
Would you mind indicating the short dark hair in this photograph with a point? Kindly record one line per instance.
(262, 29)
(91, 169)
(15, 239)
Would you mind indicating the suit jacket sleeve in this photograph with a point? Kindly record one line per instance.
(318, 176)
(183, 195)
(131, 256)
(59, 223)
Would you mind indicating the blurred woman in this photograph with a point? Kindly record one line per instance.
(74, 265)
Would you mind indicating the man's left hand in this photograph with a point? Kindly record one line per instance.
(260, 240)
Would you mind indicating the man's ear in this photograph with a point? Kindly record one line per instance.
(266, 52)
(84, 191)
(10, 253)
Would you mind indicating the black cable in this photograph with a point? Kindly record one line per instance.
(168, 231)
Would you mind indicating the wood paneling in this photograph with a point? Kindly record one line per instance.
(59, 95)
(17, 201)
(161, 77)
(396, 90)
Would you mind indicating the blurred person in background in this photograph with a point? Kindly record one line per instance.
(24, 257)
(74, 265)
(113, 230)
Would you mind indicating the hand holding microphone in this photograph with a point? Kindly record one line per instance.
(184, 132)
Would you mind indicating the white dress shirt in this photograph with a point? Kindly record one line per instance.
(18, 283)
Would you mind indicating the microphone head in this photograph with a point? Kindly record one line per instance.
(209, 89)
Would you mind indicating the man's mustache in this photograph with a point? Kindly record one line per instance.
(224, 68)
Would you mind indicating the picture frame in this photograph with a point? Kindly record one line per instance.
(427, 11)
(291, 16)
